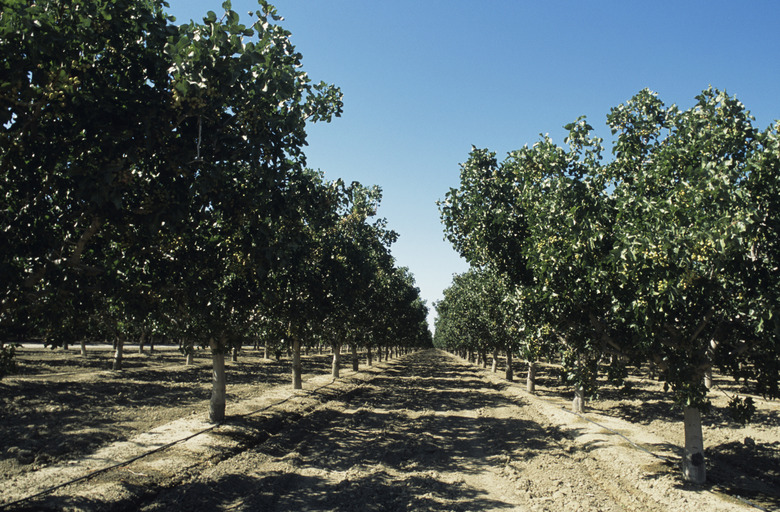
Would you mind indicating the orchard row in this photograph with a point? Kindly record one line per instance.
(665, 253)
(153, 183)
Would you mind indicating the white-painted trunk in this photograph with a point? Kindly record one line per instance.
(578, 404)
(693, 465)
(83, 348)
(710, 356)
(708, 378)
(118, 353)
(495, 360)
(530, 382)
(189, 357)
(218, 384)
(297, 381)
(335, 371)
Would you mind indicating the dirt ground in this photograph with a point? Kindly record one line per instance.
(427, 431)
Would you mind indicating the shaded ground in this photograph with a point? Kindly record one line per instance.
(426, 432)
(61, 405)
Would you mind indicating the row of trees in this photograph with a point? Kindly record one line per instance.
(153, 180)
(667, 253)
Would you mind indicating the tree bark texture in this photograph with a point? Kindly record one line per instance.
(369, 359)
(509, 374)
(355, 359)
(83, 348)
(297, 381)
(218, 384)
(495, 360)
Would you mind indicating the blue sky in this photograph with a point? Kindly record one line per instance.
(423, 80)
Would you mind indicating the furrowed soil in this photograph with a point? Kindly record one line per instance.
(427, 431)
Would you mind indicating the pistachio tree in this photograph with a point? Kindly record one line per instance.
(177, 146)
(691, 247)
(666, 254)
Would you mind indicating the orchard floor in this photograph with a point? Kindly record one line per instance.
(427, 431)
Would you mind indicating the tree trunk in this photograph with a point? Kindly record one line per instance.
(234, 355)
(336, 366)
(530, 383)
(710, 356)
(265, 351)
(495, 360)
(578, 404)
(142, 341)
(189, 357)
(368, 357)
(83, 348)
(151, 344)
(694, 468)
(355, 359)
(379, 354)
(509, 374)
(297, 382)
(218, 384)
(118, 353)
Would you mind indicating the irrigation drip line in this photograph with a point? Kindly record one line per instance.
(161, 448)
(632, 443)
(108, 468)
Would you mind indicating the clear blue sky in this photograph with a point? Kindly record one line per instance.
(423, 80)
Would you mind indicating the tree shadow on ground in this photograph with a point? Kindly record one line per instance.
(749, 470)
(374, 492)
(387, 447)
(46, 420)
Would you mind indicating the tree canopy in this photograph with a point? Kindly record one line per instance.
(666, 253)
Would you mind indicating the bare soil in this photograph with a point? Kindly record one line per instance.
(427, 431)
